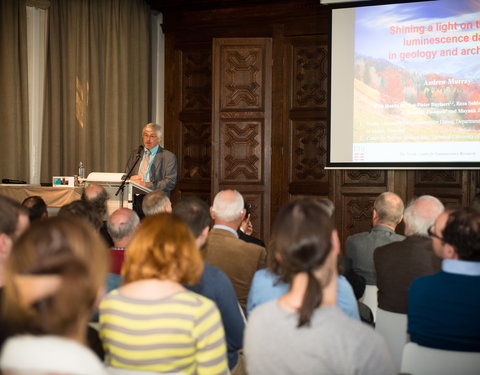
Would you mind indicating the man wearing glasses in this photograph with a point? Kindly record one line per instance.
(444, 308)
(156, 167)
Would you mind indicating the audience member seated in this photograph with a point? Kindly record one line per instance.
(152, 322)
(8, 227)
(387, 214)
(238, 259)
(213, 283)
(121, 224)
(444, 308)
(304, 331)
(23, 220)
(83, 210)
(98, 197)
(399, 263)
(156, 202)
(266, 286)
(245, 230)
(54, 279)
(37, 208)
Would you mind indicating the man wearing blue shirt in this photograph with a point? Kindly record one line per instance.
(444, 308)
(157, 167)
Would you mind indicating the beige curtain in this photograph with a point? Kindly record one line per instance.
(97, 84)
(14, 150)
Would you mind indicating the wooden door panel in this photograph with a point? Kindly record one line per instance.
(241, 115)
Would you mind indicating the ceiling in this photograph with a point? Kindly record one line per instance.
(166, 5)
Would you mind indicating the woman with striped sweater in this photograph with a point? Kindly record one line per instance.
(152, 322)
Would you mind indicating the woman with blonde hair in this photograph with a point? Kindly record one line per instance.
(55, 276)
(152, 322)
(303, 331)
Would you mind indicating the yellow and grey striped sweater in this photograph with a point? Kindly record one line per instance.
(179, 333)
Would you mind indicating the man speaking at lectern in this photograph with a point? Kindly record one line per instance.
(156, 167)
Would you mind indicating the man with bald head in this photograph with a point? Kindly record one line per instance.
(387, 214)
(399, 263)
(97, 196)
(122, 225)
(223, 249)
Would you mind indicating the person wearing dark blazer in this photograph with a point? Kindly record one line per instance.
(223, 249)
(399, 263)
(156, 168)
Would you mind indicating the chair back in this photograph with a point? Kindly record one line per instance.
(370, 299)
(420, 360)
(393, 327)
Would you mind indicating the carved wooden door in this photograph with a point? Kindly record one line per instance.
(241, 123)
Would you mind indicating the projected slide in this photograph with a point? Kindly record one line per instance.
(416, 82)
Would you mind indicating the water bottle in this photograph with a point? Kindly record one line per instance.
(81, 170)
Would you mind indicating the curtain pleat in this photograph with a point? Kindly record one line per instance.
(14, 140)
(97, 84)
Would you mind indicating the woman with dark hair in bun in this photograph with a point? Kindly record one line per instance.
(304, 331)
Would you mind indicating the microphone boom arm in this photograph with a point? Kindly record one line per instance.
(127, 176)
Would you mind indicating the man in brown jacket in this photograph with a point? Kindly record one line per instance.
(223, 249)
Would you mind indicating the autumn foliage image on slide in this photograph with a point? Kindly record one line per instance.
(417, 74)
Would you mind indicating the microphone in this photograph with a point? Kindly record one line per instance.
(127, 176)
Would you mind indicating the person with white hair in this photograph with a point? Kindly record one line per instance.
(153, 166)
(399, 263)
(156, 202)
(223, 249)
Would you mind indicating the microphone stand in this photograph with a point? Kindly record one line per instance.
(122, 186)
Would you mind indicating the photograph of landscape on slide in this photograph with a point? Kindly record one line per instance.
(417, 72)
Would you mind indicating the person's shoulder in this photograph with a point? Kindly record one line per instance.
(265, 309)
(357, 236)
(264, 274)
(220, 232)
(214, 273)
(193, 299)
(389, 247)
(253, 247)
(424, 283)
(113, 295)
(263, 279)
(398, 237)
(165, 152)
(237, 242)
(356, 242)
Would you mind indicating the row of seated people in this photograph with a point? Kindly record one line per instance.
(429, 276)
(306, 284)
